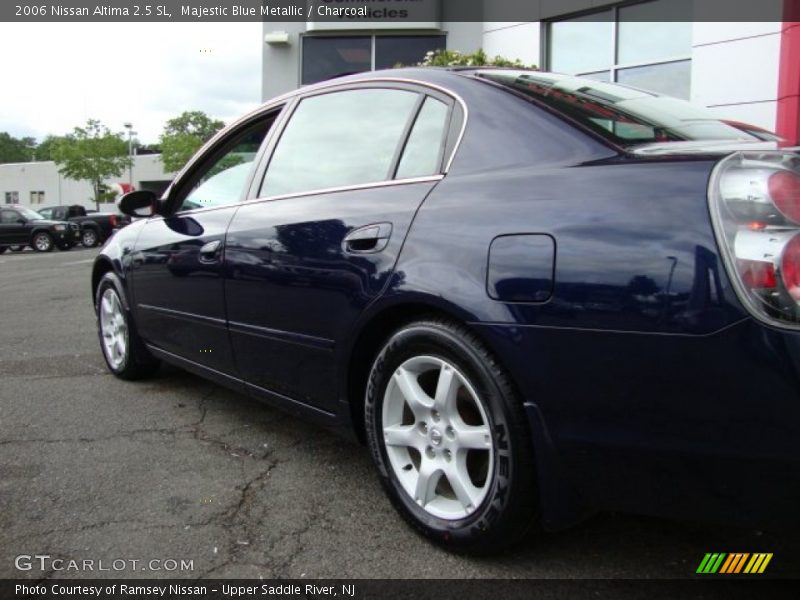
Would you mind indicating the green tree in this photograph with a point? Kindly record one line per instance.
(16, 149)
(44, 151)
(184, 135)
(91, 153)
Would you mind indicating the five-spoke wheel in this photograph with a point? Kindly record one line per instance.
(449, 437)
(437, 437)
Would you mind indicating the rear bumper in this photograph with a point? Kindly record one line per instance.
(694, 426)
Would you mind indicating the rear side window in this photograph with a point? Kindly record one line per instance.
(47, 213)
(340, 139)
(423, 152)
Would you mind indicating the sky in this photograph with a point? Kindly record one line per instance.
(55, 76)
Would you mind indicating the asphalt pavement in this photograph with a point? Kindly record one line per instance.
(179, 469)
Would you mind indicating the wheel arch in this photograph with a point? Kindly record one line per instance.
(372, 331)
(104, 265)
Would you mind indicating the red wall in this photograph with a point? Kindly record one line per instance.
(787, 123)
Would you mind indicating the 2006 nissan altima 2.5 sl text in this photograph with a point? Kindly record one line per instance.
(532, 296)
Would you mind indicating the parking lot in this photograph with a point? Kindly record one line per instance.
(177, 468)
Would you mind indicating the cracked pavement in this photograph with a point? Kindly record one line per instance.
(92, 467)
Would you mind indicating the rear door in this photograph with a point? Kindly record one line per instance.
(336, 200)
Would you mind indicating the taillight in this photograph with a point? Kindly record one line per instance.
(113, 220)
(784, 189)
(790, 267)
(755, 207)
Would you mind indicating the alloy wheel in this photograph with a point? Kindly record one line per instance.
(113, 328)
(89, 238)
(437, 437)
(42, 242)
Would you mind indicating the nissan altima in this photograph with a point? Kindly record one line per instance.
(532, 296)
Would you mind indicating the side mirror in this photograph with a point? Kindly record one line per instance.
(142, 203)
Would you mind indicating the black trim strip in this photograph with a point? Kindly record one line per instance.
(283, 336)
(178, 314)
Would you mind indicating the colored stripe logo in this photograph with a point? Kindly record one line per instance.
(734, 563)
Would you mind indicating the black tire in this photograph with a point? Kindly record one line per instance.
(2, 249)
(509, 510)
(90, 238)
(42, 242)
(137, 362)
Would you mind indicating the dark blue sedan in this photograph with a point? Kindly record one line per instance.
(532, 296)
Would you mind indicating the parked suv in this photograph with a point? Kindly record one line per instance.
(96, 227)
(21, 226)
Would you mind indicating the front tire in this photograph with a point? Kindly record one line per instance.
(124, 351)
(42, 242)
(449, 438)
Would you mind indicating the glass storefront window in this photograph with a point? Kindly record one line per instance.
(325, 57)
(627, 44)
(391, 50)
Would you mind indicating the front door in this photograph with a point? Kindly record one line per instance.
(176, 268)
(339, 194)
(13, 227)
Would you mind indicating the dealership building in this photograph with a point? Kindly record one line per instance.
(742, 71)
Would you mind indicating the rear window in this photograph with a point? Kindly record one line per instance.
(624, 115)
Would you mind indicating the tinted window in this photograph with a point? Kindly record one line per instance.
(339, 139)
(9, 216)
(326, 57)
(222, 181)
(423, 152)
(622, 114)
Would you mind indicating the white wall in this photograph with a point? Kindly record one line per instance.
(513, 40)
(735, 70)
(25, 178)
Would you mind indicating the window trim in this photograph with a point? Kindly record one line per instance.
(282, 106)
(546, 38)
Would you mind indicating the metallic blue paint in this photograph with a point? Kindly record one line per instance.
(647, 385)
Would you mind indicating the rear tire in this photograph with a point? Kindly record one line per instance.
(42, 242)
(2, 249)
(457, 459)
(89, 238)
(124, 351)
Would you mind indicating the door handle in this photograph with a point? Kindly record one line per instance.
(209, 253)
(368, 239)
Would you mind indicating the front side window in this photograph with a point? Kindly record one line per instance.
(636, 45)
(222, 181)
(9, 216)
(340, 139)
